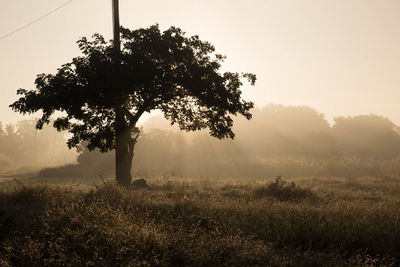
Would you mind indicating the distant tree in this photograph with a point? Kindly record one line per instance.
(11, 131)
(2, 136)
(103, 101)
(24, 146)
(287, 131)
(2, 133)
(367, 136)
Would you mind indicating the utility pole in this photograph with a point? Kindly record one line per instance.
(117, 41)
(122, 159)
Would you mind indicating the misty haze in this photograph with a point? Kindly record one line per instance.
(186, 133)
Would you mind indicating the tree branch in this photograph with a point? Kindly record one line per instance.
(133, 119)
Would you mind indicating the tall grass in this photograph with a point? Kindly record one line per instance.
(201, 223)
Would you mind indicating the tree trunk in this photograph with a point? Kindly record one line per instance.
(123, 150)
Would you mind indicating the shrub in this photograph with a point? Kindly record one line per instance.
(283, 191)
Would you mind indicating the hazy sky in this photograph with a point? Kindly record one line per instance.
(341, 57)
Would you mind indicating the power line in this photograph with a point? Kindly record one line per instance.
(36, 20)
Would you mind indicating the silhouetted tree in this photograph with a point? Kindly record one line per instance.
(168, 71)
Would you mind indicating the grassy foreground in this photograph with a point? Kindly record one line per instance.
(311, 222)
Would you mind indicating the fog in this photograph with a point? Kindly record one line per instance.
(325, 54)
(22, 146)
(293, 141)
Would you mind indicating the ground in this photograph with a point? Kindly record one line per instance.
(201, 222)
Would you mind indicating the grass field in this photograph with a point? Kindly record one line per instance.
(181, 222)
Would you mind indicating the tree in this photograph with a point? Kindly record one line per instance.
(370, 136)
(287, 131)
(102, 101)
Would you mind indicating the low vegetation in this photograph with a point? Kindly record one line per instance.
(181, 222)
(283, 191)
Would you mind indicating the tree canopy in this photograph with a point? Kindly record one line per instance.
(168, 71)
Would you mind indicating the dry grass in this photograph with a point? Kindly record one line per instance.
(312, 222)
(283, 191)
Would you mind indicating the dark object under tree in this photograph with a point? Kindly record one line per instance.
(166, 71)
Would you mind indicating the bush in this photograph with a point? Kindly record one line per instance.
(283, 191)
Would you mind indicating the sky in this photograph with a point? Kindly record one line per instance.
(341, 57)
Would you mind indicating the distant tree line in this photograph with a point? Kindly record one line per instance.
(291, 140)
(302, 131)
(21, 145)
